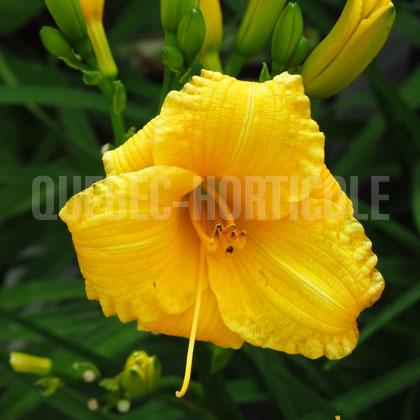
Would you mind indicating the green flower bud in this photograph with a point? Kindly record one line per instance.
(26, 363)
(300, 53)
(120, 97)
(69, 18)
(172, 11)
(141, 374)
(257, 25)
(86, 371)
(173, 59)
(54, 42)
(191, 33)
(286, 37)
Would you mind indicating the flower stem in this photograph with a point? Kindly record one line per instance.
(117, 120)
(235, 64)
(215, 390)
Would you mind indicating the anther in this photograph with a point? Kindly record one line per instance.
(229, 249)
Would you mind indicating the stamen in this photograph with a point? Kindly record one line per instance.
(224, 208)
(191, 343)
(211, 244)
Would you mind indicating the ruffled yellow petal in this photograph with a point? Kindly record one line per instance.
(140, 261)
(210, 325)
(135, 154)
(300, 282)
(219, 126)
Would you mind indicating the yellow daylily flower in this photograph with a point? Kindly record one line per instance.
(276, 279)
(348, 49)
(93, 13)
(209, 53)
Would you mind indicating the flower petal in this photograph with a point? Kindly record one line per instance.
(219, 126)
(299, 284)
(135, 154)
(210, 325)
(138, 252)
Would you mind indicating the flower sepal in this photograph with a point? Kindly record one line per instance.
(286, 37)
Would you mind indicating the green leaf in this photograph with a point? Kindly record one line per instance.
(41, 291)
(61, 97)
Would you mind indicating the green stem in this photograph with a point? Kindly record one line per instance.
(117, 120)
(107, 88)
(211, 61)
(168, 78)
(215, 390)
(235, 64)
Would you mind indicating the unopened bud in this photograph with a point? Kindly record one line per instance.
(69, 18)
(300, 53)
(286, 37)
(26, 363)
(355, 40)
(173, 59)
(191, 33)
(54, 42)
(209, 53)
(172, 11)
(257, 25)
(141, 373)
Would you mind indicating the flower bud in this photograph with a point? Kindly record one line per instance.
(26, 363)
(92, 9)
(172, 11)
(300, 52)
(93, 12)
(173, 58)
(141, 373)
(69, 18)
(209, 53)
(54, 42)
(348, 49)
(257, 25)
(191, 33)
(286, 37)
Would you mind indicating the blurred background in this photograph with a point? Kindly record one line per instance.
(52, 125)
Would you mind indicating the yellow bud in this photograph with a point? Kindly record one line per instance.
(92, 9)
(26, 363)
(348, 49)
(209, 53)
(141, 373)
(93, 12)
